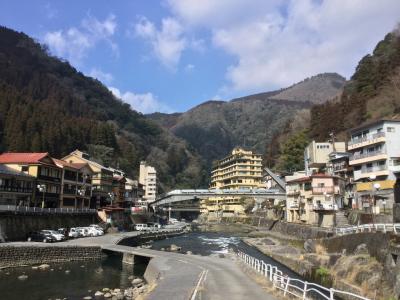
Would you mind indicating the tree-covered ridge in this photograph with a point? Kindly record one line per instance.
(46, 105)
(373, 92)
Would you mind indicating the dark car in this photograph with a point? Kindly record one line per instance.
(40, 237)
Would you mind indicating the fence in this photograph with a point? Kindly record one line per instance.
(379, 227)
(27, 209)
(291, 286)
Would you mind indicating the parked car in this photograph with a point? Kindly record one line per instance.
(40, 237)
(153, 226)
(173, 220)
(73, 233)
(141, 227)
(94, 231)
(97, 227)
(63, 231)
(58, 236)
(83, 231)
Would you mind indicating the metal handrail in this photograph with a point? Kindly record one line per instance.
(383, 227)
(285, 283)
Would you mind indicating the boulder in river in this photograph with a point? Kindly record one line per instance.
(87, 297)
(23, 277)
(137, 281)
(44, 266)
(107, 295)
(174, 248)
(98, 294)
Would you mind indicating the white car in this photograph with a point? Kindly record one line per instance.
(141, 227)
(93, 231)
(58, 236)
(73, 233)
(83, 231)
(98, 228)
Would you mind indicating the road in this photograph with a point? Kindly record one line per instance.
(180, 276)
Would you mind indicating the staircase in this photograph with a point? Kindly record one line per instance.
(341, 219)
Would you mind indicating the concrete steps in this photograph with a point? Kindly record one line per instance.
(341, 219)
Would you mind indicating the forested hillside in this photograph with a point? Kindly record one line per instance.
(46, 105)
(215, 127)
(372, 93)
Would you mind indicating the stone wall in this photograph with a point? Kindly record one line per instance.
(15, 227)
(14, 256)
(377, 243)
(301, 231)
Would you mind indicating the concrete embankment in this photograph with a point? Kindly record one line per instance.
(15, 256)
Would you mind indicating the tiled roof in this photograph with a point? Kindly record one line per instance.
(27, 158)
(77, 166)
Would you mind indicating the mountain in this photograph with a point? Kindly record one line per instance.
(373, 92)
(47, 105)
(213, 128)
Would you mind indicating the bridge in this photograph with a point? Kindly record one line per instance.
(189, 200)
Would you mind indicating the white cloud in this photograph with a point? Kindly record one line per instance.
(74, 43)
(277, 43)
(100, 75)
(144, 103)
(50, 11)
(167, 42)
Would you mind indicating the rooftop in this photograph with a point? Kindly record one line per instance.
(27, 158)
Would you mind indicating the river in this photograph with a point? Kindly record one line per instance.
(109, 272)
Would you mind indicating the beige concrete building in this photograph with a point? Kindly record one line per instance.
(241, 170)
(316, 155)
(148, 178)
(314, 199)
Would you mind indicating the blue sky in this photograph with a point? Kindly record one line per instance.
(174, 54)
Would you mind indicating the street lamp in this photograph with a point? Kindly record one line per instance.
(42, 188)
(111, 195)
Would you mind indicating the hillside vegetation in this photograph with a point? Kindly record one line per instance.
(46, 105)
(215, 127)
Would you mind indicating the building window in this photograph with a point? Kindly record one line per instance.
(390, 129)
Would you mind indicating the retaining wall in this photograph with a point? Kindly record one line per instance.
(14, 256)
(15, 227)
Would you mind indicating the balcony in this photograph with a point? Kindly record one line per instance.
(292, 192)
(325, 207)
(293, 204)
(366, 140)
(356, 159)
(14, 189)
(323, 190)
(49, 178)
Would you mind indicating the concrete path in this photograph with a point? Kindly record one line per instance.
(180, 276)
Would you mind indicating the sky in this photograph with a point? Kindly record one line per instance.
(171, 55)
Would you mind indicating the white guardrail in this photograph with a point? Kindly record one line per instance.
(291, 286)
(378, 227)
(27, 209)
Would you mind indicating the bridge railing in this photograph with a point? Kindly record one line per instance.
(27, 209)
(377, 227)
(292, 286)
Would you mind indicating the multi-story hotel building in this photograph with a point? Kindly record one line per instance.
(47, 175)
(375, 158)
(148, 178)
(102, 179)
(240, 170)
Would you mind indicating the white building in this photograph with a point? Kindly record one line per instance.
(375, 158)
(148, 178)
